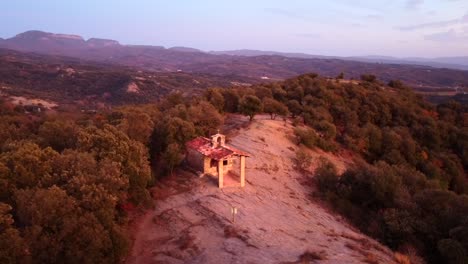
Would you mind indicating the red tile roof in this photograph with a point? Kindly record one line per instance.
(203, 145)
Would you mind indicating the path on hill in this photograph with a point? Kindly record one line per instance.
(277, 222)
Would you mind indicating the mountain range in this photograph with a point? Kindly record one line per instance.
(460, 63)
(251, 64)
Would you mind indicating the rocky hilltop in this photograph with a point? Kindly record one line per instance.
(277, 220)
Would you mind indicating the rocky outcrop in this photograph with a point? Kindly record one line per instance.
(184, 49)
(101, 43)
(132, 87)
(35, 35)
(39, 41)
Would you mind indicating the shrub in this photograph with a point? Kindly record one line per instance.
(303, 159)
(306, 136)
(327, 129)
(326, 175)
(327, 145)
(395, 84)
(368, 78)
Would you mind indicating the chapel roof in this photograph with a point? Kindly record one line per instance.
(204, 146)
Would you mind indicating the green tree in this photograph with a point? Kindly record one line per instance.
(111, 144)
(137, 125)
(136, 168)
(263, 92)
(205, 118)
(274, 108)
(172, 156)
(216, 98)
(58, 134)
(28, 164)
(295, 108)
(56, 229)
(12, 246)
(250, 105)
(170, 130)
(231, 100)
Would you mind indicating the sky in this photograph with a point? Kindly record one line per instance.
(401, 28)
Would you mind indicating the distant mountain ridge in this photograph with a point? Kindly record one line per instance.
(57, 44)
(441, 62)
(253, 53)
(61, 44)
(251, 64)
(185, 49)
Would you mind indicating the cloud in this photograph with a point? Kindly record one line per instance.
(464, 19)
(414, 4)
(365, 5)
(283, 12)
(447, 36)
(374, 17)
(436, 24)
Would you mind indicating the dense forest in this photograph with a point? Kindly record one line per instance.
(68, 180)
(408, 187)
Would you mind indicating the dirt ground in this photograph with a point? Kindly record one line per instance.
(25, 101)
(277, 220)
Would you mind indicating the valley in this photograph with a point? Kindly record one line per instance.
(252, 66)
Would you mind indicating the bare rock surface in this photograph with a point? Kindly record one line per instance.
(277, 220)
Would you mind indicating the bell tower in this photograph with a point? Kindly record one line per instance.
(218, 140)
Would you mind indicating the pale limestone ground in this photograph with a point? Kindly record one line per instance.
(277, 220)
(35, 101)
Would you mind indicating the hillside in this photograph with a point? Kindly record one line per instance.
(272, 65)
(278, 220)
(407, 186)
(396, 170)
(73, 81)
